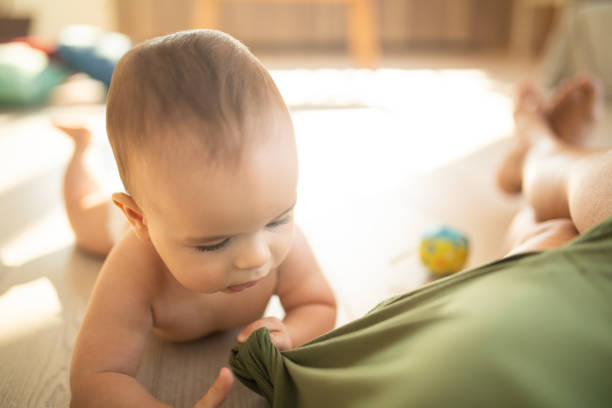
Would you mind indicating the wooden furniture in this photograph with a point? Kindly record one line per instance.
(361, 25)
(523, 27)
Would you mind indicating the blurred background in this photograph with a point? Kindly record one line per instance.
(402, 111)
(563, 35)
(298, 26)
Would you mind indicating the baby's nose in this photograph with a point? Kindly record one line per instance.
(254, 254)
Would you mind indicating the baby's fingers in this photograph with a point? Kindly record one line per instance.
(281, 340)
(218, 392)
(271, 323)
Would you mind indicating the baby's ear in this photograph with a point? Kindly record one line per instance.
(133, 213)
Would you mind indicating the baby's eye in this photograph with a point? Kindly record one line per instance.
(282, 221)
(206, 248)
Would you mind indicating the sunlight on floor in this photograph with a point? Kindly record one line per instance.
(383, 88)
(36, 154)
(45, 236)
(437, 115)
(360, 132)
(29, 153)
(27, 308)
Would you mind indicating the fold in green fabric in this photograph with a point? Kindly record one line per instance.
(532, 330)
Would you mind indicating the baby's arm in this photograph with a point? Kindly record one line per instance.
(306, 296)
(110, 343)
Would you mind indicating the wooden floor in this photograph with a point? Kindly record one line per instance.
(374, 176)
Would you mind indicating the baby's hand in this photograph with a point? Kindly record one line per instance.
(278, 332)
(218, 392)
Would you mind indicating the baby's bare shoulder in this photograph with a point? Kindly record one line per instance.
(135, 264)
(126, 288)
(120, 313)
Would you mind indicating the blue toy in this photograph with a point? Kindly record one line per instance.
(92, 51)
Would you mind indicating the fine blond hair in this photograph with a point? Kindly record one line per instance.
(198, 85)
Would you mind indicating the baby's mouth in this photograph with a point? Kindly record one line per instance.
(242, 286)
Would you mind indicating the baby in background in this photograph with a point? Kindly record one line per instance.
(206, 151)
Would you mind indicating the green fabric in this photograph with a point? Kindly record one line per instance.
(533, 330)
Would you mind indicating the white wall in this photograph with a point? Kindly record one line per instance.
(51, 15)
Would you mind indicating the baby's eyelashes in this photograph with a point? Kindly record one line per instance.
(220, 245)
(214, 247)
(282, 221)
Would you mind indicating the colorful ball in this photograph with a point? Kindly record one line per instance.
(444, 250)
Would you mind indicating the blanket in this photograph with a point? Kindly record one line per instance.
(531, 330)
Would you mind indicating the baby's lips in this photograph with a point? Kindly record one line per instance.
(242, 286)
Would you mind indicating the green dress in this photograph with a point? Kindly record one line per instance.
(532, 330)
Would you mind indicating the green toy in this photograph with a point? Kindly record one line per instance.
(27, 77)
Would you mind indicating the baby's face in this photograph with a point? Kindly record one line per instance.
(224, 228)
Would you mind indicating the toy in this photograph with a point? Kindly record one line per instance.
(444, 250)
(27, 77)
(91, 50)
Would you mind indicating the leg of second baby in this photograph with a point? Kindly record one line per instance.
(559, 178)
(525, 234)
(86, 205)
(568, 188)
(564, 181)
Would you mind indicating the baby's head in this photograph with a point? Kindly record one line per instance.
(205, 148)
(198, 89)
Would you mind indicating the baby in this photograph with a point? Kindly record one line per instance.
(206, 151)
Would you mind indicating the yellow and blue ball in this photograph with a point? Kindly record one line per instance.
(444, 250)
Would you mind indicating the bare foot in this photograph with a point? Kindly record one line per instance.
(529, 110)
(575, 109)
(570, 116)
(76, 130)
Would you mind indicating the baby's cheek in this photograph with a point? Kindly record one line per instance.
(196, 273)
(213, 274)
(282, 247)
